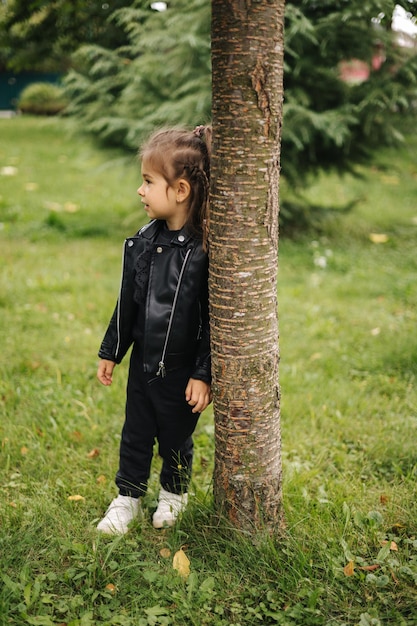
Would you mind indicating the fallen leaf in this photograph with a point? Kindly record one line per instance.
(101, 480)
(71, 207)
(378, 237)
(383, 498)
(31, 186)
(165, 553)
(24, 450)
(111, 588)
(8, 170)
(393, 546)
(13, 505)
(349, 569)
(53, 206)
(93, 453)
(76, 498)
(181, 563)
(369, 568)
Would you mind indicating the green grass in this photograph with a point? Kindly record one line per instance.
(348, 313)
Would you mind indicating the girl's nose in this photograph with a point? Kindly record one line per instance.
(140, 190)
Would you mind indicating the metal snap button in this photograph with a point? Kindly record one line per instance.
(181, 238)
(159, 249)
(130, 243)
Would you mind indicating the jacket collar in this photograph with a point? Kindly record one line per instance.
(151, 230)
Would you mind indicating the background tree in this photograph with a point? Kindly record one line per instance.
(330, 122)
(42, 34)
(140, 68)
(162, 75)
(247, 58)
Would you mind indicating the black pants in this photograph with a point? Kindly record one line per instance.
(156, 409)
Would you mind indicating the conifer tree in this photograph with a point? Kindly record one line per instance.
(162, 76)
(42, 34)
(139, 68)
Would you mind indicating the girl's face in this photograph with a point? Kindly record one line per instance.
(162, 201)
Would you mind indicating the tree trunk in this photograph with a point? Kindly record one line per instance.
(247, 59)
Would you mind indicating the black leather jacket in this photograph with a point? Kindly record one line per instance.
(175, 317)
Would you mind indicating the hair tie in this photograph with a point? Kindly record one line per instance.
(199, 131)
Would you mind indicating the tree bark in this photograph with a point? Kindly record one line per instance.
(247, 61)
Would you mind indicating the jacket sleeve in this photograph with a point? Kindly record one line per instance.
(119, 334)
(202, 368)
(112, 348)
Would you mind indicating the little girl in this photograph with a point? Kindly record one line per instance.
(162, 309)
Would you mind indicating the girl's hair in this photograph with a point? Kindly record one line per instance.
(178, 153)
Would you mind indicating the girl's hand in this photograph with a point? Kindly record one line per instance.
(105, 372)
(198, 395)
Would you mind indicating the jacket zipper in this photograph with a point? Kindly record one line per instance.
(161, 365)
(119, 301)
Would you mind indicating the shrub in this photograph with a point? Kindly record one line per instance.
(42, 99)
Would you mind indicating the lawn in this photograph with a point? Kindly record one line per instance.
(348, 318)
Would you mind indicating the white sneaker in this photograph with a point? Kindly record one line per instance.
(170, 505)
(121, 512)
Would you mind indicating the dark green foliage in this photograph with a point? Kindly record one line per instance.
(162, 76)
(139, 68)
(329, 122)
(42, 34)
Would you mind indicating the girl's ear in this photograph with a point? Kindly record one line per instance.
(183, 189)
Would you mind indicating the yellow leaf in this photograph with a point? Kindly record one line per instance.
(24, 450)
(31, 186)
(111, 588)
(378, 237)
(181, 563)
(53, 206)
(93, 453)
(101, 480)
(393, 546)
(165, 553)
(76, 498)
(349, 569)
(71, 207)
